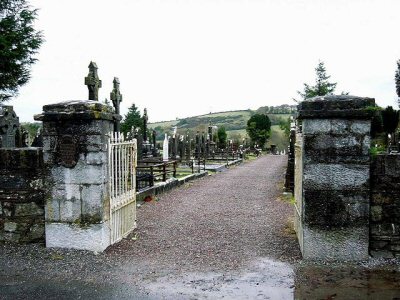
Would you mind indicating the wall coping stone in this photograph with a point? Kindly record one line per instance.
(336, 106)
(77, 110)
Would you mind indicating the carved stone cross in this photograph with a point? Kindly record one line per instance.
(145, 120)
(115, 95)
(93, 82)
(116, 98)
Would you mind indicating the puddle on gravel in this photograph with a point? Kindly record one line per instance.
(347, 282)
(268, 279)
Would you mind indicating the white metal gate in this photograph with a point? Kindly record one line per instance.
(122, 156)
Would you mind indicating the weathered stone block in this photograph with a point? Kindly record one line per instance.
(382, 254)
(70, 210)
(335, 209)
(376, 213)
(362, 127)
(28, 209)
(335, 177)
(52, 211)
(50, 143)
(331, 147)
(316, 126)
(93, 203)
(376, 245)
(94, 237)
(342, 244)
(96, 158)
(80, 174)
(10, 226)
(12, 237)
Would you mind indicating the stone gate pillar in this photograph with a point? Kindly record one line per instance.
(332, 177)
(75, 153)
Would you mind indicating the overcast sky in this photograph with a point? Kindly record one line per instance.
(185, 58)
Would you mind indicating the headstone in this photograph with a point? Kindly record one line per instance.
(145, 120)
(38, 140)
(198, 146)
(93, 82)
(116, 98)
(165, 148)
(21, 138)
(188, 149)
(9, 123)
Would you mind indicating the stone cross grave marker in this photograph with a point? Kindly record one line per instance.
(145, 120)
(116, 98)
(93, 82)
(9, 123)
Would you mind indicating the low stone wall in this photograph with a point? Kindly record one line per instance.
(21, 195)
(385, 206)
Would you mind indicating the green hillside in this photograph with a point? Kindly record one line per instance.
(234, 122)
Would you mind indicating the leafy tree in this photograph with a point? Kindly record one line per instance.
(397, 80)
(322, 85)
(222, 135)
(19, 42)
(132, 118)
(259, 129)
(390, 119)
(284, 124)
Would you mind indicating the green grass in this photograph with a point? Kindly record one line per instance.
(278, 138)
(164, 124)
(245, 113)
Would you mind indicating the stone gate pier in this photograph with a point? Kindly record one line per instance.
(75, 154)
(332, 177)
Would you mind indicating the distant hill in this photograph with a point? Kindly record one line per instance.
(234, 122)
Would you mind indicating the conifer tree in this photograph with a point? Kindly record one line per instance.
(132, 119)
(397, 80)
(19, 42)
(322, 85)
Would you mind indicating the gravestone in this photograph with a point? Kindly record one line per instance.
(198, 146)
(145, 120)
(188, 149)
(9, 124)
(93, 82)
(181, 147)
(38, 139)
(116, 98)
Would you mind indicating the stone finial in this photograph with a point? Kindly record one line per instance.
(93, 82)
(116, 96)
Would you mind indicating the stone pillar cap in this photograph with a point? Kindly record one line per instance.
(336, 106)
(77, 109)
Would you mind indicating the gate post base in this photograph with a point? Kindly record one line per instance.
(94, 237)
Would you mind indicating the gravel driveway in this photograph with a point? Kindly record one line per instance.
(221, 236)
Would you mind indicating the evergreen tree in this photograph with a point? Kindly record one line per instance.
(222, 135)
(19, 42)
(132, 118)
(390, 119)
(397, 80)
(322, 85)
(259, 129)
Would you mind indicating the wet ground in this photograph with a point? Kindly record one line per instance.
(227, 236)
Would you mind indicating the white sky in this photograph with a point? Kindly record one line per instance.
(185, 58)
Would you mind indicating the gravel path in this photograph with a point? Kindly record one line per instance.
(216, 236)
(218, 222)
